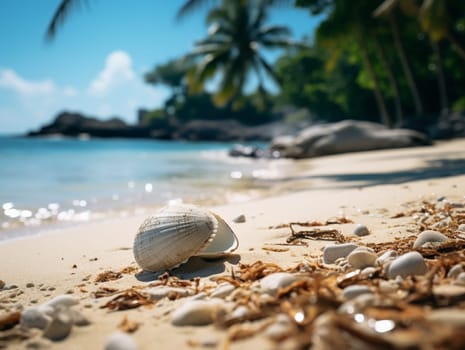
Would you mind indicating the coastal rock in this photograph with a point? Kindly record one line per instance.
(120, 341)
(345, 136)
(429, 236)
(361, 230)
(271, 283)
(197, 312)
(411, 263)
(333, 252)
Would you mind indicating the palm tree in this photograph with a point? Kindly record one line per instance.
(61, 13)
(232, 49)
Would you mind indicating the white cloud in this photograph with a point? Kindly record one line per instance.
(9, 79)
(117, 71)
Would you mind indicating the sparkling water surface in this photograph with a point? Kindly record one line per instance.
(47, 180)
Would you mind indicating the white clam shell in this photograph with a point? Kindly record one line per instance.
(177, 232)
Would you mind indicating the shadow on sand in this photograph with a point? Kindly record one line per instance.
(194, 267)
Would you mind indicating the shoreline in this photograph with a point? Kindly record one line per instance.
(67, 261)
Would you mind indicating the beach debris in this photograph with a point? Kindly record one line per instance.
(107, 276)
(104, 291)
(275, 249)
(429, 236)
(128, 299)
(361, 230)
(128, 326)
(9, 320)
(198, 312)
(171, 293)
(332, 252)
(361, 257)
(120, 341)
(177, 232)
(408, 264)
(239, 219)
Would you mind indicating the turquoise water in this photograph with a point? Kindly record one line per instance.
(44, 180)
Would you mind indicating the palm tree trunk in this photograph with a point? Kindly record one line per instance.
(392, 80)
(385, 118)
(405, 65)
(441, 79)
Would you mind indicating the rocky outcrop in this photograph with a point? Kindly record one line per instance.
(345, 136)
(76, 124)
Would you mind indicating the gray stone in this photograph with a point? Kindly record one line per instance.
(408, 264)
(333, 252)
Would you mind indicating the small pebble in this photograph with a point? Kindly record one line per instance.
(60, 301)
(455, 271)
(223, 290)
(411, 263)
(271, 283)
(158, 293)
(239, 219)
(461, 228)
(367, 272)
(355, 290)
(59, 328)
(240, 312)
(29, 285)
(2, 284)
(360, 258)
(120, 341)
(34, 318)
(429, 236)
(9, 287)
(197, 312)
(460, 280)
(361, 230)
(333, 252)
(386, 257)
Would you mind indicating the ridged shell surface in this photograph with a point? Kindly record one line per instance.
(171, 236)
(224, 242)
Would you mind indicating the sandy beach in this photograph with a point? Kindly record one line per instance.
(383, 190)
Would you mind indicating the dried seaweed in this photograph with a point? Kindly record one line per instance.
(107, 276)
(128, 299)
(103, 292)
(128, 326)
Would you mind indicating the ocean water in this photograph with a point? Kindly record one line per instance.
(45, 181)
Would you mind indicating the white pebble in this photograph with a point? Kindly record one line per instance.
(455, 271)
(34, 318)
(411, 263)
(461, 228)
(60, 302)
(223, 290)
(367, 272)
(271, 283)
(429, 236)
(240, 312)
(59, 328)
(120, 341)
(386, 257)
(460, 280)
(161, 292)
(355, 290)
(361, 230)
(333, 252)
(361, 258)
(197, 312)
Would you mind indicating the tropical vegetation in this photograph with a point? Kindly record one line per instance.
(400, 62)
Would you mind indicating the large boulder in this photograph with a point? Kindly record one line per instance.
(345, 136)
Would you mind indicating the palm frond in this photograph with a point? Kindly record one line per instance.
(60, 15)
(191, 6)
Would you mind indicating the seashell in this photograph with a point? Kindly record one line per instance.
(223, 290)
(355, 290)
(429, 236)
(271, 283)
(59, 328)
(33, 317)
(197, 312)
(333, 252)
(361, 230)
(410, 263)
(176, 233)
(120, 341)
(361, 258)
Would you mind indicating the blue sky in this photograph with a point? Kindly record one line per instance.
(96, 63)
